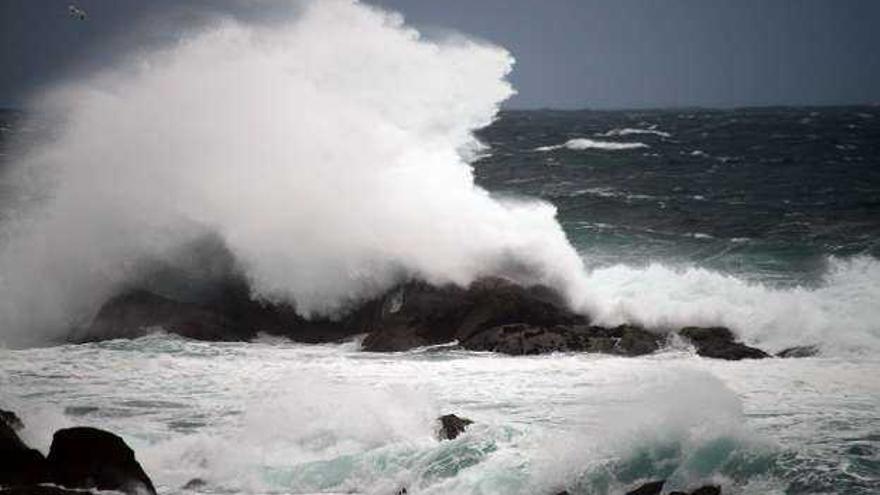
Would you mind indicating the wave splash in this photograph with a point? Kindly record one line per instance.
(332, 165)
(329, 153)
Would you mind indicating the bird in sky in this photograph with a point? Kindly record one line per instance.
(76, 12)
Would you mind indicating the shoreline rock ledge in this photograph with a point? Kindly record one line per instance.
(492, 314)
(80, 458)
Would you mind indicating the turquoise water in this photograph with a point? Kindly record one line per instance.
(276, 417)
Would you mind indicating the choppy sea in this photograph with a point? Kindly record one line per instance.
(770, 217)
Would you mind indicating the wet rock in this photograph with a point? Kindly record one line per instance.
(451, 426)
(19, 464)
(719, 343)
(650, 488)
(703, 490)
(42, 490)
(799, 352)
(90, 458)
(11, 420)
(418, 314)
(135, 313)
(518, 339)
(230, 315)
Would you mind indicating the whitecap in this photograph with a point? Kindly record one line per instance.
(585, 144)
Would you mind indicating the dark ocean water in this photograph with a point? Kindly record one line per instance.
(775, 196)
(766, 194)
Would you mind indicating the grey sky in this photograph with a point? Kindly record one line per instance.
(570, 53)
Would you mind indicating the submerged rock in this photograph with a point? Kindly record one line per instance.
(650, 488)
(719, 343)
(451, 426)
(89, 458)
(799, 352)
(195, 484)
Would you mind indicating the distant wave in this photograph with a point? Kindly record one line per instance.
(630, 131)
(586, 144)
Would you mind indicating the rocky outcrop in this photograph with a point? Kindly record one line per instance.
(231, 316)
(492, 314)
(656, 488)
(650, 488)
(703, 490)
(451, 426)
(42, 490)
(719, 343)
(19, 464)
(519, 338)
(79, 458)
(418, 314)
(134, 313)
(11, 420)
(85, 457)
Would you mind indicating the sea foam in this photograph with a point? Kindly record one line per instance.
(591, 144)
(328, 152)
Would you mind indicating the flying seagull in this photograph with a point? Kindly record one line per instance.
(76, 12)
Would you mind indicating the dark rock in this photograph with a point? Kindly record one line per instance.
(518, 339)
(42, 490)
(134, 313)
(707, 490)
(719, 343)
(11, 420)
(799, 352)
(452, 426)
(195, 484)
(650, 488)
(84, 457)
(418, 314)
(232, 315)
(703, 490)
(19, 464)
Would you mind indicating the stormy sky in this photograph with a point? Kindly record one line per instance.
(570, 53)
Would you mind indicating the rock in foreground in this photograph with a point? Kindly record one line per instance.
(451, 426)
(19, 464)
(650, 488)
(84, 457)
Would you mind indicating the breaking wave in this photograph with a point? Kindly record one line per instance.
(630, 131)
(328, 152)
(590, 144)
(332, 166)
